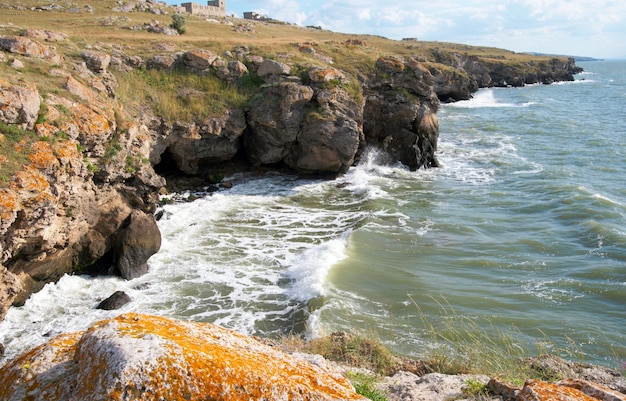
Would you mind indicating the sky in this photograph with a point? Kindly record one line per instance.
(593, 28)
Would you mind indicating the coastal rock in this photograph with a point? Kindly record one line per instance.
(115, 301)
(9, 289)
(143, 357)
(404, 386)
(19, 104)
(274, 120)
(139, 239)
(535, 390)
(552, 366)
(400, 115)
(194, 145)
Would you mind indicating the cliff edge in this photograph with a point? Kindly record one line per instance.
(94, 122)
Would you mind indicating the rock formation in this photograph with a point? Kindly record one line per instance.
(84, 195)
(141, 357)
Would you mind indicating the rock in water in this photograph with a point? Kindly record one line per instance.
(142, 357)
(115, 301)
(136, 243)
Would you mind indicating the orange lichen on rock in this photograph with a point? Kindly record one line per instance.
(42, 156)
(67, 151)
(42, 373)
(543, 391)
(8, 206)
(30, 180)
(141, 357)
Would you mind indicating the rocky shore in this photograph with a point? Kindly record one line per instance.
(143, 357)
(85, 159)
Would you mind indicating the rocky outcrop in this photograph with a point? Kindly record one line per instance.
(400, 113)
(467, 73)
(90, 178)
(314, 129)
(19, 104)
(143, 357)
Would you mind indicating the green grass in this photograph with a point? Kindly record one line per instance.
(365, 385)
(459, 345)
(184, 96)
(15, 147)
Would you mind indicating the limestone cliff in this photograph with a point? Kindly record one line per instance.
(85, 126)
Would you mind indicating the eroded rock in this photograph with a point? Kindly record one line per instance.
(19, 104)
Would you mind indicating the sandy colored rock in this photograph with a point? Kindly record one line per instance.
(141, 357)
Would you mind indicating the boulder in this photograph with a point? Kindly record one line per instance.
(318, 74)
(28, 47)
(162, 62)
(142, 357)
(139, 239)
(270, 68)
(19, 104)
(200, 59)
(237, 69)
(115, 301)
(96, 61)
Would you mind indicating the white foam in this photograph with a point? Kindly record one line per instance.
(309, 269)
(484, 98)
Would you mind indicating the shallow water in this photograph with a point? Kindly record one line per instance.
(522, 230)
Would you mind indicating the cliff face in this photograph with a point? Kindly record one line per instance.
(82, 194)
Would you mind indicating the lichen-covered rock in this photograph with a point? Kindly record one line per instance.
(543, 391)
(141, 357)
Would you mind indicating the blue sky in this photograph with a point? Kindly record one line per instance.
(595, 28)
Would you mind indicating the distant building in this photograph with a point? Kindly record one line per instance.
(215, 8)
(255, 16)
(409, 39)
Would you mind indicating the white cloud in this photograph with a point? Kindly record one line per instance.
(584, 27)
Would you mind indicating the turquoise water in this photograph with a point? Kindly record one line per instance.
(522, 230)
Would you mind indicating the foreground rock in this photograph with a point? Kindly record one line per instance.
(141, 357)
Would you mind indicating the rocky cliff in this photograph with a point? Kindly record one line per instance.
(87, 125)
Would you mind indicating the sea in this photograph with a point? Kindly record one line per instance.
(521, 233)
